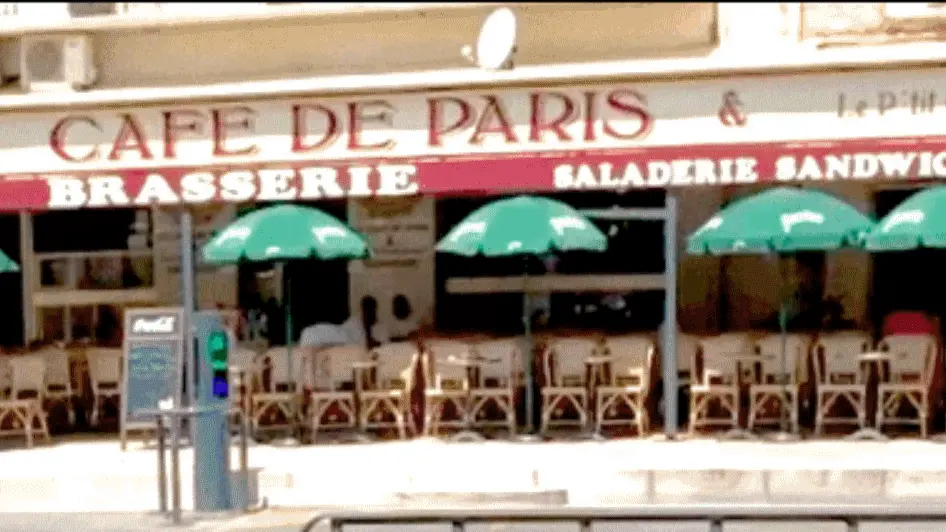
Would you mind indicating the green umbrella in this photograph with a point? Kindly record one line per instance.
(7, 265)
(523, 225)
(918, 222)
(285, 232)
(782, 220)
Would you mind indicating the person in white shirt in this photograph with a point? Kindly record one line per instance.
(364, 328)
(361, 328)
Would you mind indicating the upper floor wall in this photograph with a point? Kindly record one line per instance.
(837, 23)
(418, 41)
(379, 41)
(167, 45)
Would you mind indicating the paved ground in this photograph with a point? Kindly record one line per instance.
(138, 522)
(96, 476)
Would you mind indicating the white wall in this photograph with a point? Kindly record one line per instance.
(395, 43)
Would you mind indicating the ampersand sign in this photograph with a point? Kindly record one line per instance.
(731, 113)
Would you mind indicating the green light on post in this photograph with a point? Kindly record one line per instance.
(218, 346)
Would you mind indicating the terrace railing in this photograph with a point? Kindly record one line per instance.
(855, 518)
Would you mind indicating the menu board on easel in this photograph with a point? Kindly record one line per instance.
(153, 365)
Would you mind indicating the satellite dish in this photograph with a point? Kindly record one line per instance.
(497, 42)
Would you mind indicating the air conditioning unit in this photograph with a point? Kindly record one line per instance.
(56, 63)
(91, 9)
(136, 9)
(916, 10)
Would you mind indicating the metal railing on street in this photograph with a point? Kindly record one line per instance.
(715, 515)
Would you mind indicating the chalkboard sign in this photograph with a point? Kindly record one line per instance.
(152, 364)
(152, 377)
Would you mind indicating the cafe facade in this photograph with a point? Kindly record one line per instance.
(389, 158)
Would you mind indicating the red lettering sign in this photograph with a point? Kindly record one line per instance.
(357, 128)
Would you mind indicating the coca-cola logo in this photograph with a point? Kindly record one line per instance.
(154, 325)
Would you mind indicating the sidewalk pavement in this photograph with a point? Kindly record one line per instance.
(97, 476)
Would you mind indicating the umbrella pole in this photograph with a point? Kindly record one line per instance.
(287, 312)
(527, 360)
(784, 434)
(783, 329)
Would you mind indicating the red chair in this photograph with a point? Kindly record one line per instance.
(918, 323)
(910, 322)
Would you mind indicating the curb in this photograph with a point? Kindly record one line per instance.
(537, 497)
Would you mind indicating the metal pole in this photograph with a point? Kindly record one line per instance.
(783, 346)
(244, 461)
(162, 469)
(669, 352)
(26, 276)
(187, 303)
(293, 381)
(528, 355)
(175, 470)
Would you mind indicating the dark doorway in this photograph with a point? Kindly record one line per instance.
(906, 280)
(11, 284)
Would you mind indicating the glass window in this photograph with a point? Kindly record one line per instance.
(108, 326)
(85, 230)
(52, 323)
(82, 322)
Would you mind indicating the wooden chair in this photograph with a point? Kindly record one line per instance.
(105, 378)
(777, 383)
(27, 395)
(496, 383)
(566, 381)
(59, 388)
(717, 381)
(390, 393)
(279, 393)
(446, 382)
(909, 380)
(243, 374)
(842, 377)
(632, 363)
(331, 389)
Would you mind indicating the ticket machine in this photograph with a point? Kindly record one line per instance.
(212, 489)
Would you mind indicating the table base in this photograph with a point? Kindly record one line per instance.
(867, 433)
(783, 437)
(362, 437)
(738, 434)
(528, 438)
(466, 436)
(595, 435)
(285, 441)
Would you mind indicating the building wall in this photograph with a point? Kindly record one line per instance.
(400, 42)
(549, 34)
(378, 44)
